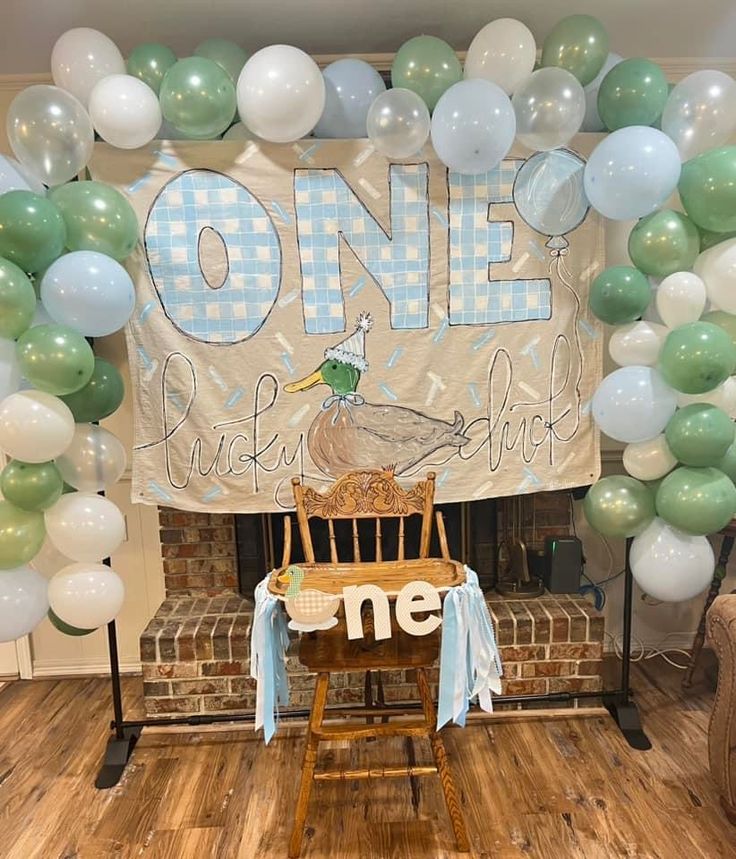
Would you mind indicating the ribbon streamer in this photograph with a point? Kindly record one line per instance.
(269, 639)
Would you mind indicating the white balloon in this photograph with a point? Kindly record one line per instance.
(724, 397)
(81, 57)
(717, 267)
(649, 460)
(680, 298)
(124, 111)
(633, 404)
(85, 527)
(281, 93)
(15, 177)
(9, 368)
(637, 343)
(86, 595)
(503, 52)
(592, 120)
(35, 426)
(700, 112)
(94, 460)
(669, 565)
(23, 602)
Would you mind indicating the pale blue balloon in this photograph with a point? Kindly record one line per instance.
(23, 602)
(473, 126)
(350, 88)
(549, 194)
(631, 172)
(633, 404)
(88, 291)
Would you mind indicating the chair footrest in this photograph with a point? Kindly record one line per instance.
(385, 772)
(416, 728)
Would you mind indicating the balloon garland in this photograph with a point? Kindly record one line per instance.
(672, 401)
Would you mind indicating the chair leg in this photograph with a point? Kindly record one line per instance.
(308, 765)
(443, 767)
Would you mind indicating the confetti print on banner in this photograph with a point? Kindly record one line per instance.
(299, 415)
(530, 350)
(440, 216)
(175, 401)
(280, 212)
(532, 476)
(363, 156)
(482, 341)
(357, 286)
(157, 490)
(394, 357)
(473, 391)
(443, 477)
(213, 493)
(388, 392)
(166, 159)
(284, 343)
(288, 298)
(441, 331)
(234, 398)
(587, 329)
(436, 385)
(145, 311)
(286, 360)
(217, 378)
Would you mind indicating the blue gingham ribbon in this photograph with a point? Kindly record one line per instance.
(269, 640)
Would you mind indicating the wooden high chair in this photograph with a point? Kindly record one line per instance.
(371, 495)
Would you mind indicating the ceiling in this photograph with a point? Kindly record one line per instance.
(655, 28)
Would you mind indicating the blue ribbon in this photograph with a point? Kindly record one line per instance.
(343, 401)
(269, 640)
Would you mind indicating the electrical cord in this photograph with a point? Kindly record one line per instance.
(645, 653)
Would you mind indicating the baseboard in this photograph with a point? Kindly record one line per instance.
(65, 668)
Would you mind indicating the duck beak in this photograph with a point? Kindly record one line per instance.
(306, 383)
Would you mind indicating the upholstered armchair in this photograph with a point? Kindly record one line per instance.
(721, 626)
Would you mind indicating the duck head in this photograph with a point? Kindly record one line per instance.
(293, 576)
(341, 378)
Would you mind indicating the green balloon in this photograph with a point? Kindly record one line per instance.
(32, 486)
(727, 463)
(708, 189)
(709, 239)
(149, 62)
(697, 500)
(55, 358)
(100, 397)
(663, 243)
(226, 54)
(17, 300)
(697, 357)
(620, 294)
(21, 535)
(65, 627)
(700, 434)
(726, 321)
(32, 231)
(427, 66)
(578, 43)
(198, 97)
(634, 92)
(619, 506)
(97, 217)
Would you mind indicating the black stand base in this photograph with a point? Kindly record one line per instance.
(117, 755)
(626, 715)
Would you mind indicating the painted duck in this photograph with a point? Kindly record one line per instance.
(350, 433)
(308, 609)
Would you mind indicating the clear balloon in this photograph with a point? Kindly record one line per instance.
(281, 93)
(50, 133)
(85, 527)
(427, 66)
(473, 126)
(633, 404)
(700, 113)
(100, 397)
(649, 460)
(95, 460)
(350, 88)
(696, 500)
(23, 602)
(503, 52)
(549, 107)
(717, 268)
(663, 243)
(32, 230)
(88, 291)
(638, 343)
(680, 298)
(80, 58)
(10, 375)
(708, 189)
(55, 358)
(229, 56)
(398, 123)
(669, 565)
(86, 596)
(15, 177)
(619, 506)
(631, 173)
(31, 486)
(17, 300)
(592, 120)
(34, 426)
(149, 62)
(578, 43)
(696, 357)
(700, 434)
(634, 92)
(124, 111)
(198, 98)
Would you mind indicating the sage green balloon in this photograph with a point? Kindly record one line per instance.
(100, 397)
(17, 300)
(149, 62)
(21, 535)
(427, 66)
(578, 43)
(55, 358)
(700, 434)
(65, 627)
(31, 486)
(696, 500)
(226, 54)
(32, 230)
(619, 506)
(709, 239)
(697, 357)
(634, 92)
(198, 98)
(727, 463)
(97, 217)
(708, 189)
(663, 243)
(620, 294)
(726, 321)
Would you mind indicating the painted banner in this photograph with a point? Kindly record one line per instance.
(312, 308)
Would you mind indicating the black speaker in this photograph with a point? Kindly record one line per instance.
(563, 564)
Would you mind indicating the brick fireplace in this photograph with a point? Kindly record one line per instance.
(195, 650)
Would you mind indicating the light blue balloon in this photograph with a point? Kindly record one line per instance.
(631, 172)
(633, 404)
(548, 192)
(473, 126)
(89, 292)
(23, 602)
(350, 87)
(592, 120)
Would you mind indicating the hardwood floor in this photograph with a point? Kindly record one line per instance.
(546, 789)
